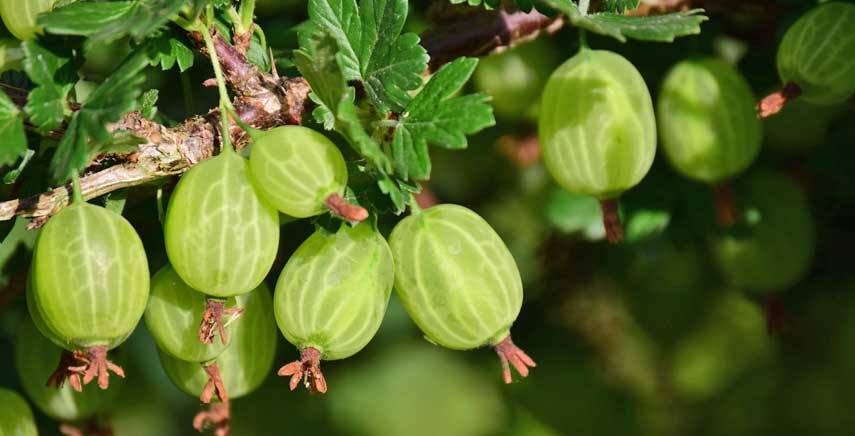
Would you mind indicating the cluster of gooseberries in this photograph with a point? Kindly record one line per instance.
(214, 320)
(208, 310)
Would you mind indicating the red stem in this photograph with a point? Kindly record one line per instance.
(775, 102)
(611, 220)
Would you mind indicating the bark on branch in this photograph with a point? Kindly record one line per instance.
(263, 101)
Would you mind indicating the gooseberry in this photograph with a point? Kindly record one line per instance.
(331, 297)
(301, 172)
(597, 129)
(816, 58)
(459, 282)
(91, 284)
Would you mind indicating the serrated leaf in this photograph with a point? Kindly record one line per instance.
(618, 6)
(348, 124)
(258, 53)
(13, 141)
(435, 116)
(320, 64)
(372, 49)
(148, 104)
(87, 130)
(54, 70)
(109, 21)
(658, 28)
(169, 49)
(392, 189)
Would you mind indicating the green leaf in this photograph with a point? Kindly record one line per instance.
(658, 28)
(148, 104)
(258, 53)
(169, 49)
(13, 141)
(54, 70)
(435, 116)
(372, 49)
(109, 21)
(87, 130)
(619, 6)
(320, 65)
(349, 125)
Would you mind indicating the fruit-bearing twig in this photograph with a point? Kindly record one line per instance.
(262, 100)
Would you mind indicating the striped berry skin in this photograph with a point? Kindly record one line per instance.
(707, 121)
(248, 359)
(818, 54)
(172, 317)
(296, 168)
(775, 250)
(16, 417)
(19, 16)
(35, 361)
(333, 292)
(38, 319)
(455, 277)
(596, 126)
(221, 237)
(91, 276)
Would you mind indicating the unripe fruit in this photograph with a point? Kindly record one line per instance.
(816, 58)
(172, 317)
(707, 120)
(221, 237)
(91, 282)
(818, 53)
(247, 360)
(36, 315)
(238, 371)
(297, 170)
(35, 361)
(19, 16)
(775, 248)
(458, 281)
(331, 298)
(597, 129)
(516, 78)
(16, 417)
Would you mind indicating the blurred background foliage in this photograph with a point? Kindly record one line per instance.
(645, 338)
